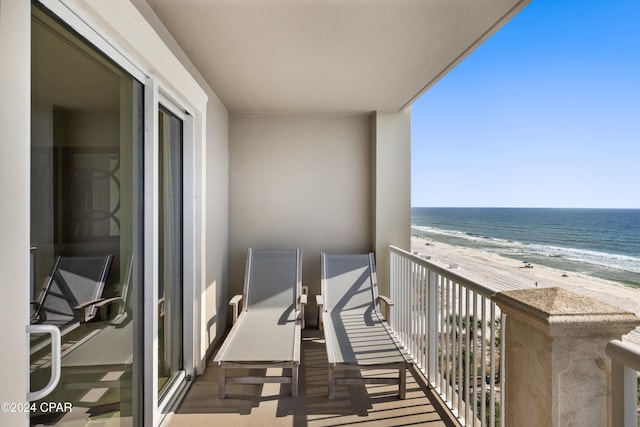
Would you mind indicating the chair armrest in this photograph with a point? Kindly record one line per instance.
(104, 302)
(160, 308)
(386, 300)
(81, 309)
(387, 305)
(303, 302)
(104, 305)
(235, 302)
(88, 303)
(320, 303)
(35, 306)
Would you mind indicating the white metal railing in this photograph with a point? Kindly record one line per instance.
(625, 365)
(455, 334)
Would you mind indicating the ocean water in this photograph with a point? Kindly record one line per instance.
(603, 243)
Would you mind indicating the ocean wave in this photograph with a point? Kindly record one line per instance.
(600, 259)
(524, 249)
(453, 233)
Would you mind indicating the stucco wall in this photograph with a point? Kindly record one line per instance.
(215, 225)
(392, 189)
(298, 181)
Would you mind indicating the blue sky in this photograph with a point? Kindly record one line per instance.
(546, 113)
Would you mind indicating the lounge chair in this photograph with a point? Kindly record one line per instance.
(267, 333)
(71, 291)
(356, 334)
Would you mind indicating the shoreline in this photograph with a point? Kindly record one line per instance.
(503, 274)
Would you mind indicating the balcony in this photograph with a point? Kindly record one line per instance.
(481, 358)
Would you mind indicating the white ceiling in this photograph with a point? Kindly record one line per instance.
(327, 56)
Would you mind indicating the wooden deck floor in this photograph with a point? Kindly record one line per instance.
(272, 404)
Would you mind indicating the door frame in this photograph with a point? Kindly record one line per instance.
(177, 388)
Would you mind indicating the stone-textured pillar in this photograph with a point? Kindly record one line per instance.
(556, 369)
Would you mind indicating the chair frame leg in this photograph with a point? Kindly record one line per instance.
(222, 383)
(402, 385)
(294, 381)
(332, 382)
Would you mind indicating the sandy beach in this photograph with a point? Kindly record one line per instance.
(504, 274)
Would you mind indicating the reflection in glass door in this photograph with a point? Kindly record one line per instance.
(170, 283)
(85, 228)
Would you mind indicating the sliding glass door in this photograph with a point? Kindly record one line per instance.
(86, 190)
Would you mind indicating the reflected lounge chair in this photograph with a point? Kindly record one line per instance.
(73, 287)
(106, 351)
(356, 334)
(267, 333)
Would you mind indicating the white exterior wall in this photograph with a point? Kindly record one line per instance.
(392, 189)
(15, 103)
(215, 229)
(298, 181)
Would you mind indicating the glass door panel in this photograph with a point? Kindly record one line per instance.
(170, 283)
(85, 228)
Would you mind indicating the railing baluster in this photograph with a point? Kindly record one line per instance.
(442, 331)
(467, 357)
(483, 352)
(423, 318)
(503, 320)
(432, 326)
(492, 369)
(447, 336)
(454, 346)
(405, 305)
(474, 362)
(460, 349)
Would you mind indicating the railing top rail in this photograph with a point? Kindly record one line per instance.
(483, 290)
(625, 353)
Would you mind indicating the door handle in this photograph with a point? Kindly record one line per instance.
(55, 359)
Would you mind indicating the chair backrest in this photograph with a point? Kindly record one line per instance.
(72, 281)
(348, 282)
(273, 279)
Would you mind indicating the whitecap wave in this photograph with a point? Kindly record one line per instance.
(515, 248)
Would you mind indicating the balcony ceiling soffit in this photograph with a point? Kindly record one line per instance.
(333, 56)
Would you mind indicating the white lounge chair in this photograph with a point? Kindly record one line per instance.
(267, 333)
(356, 334)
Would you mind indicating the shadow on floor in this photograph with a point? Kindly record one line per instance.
(272, 404)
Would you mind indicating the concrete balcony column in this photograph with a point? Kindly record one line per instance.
(556, 369)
